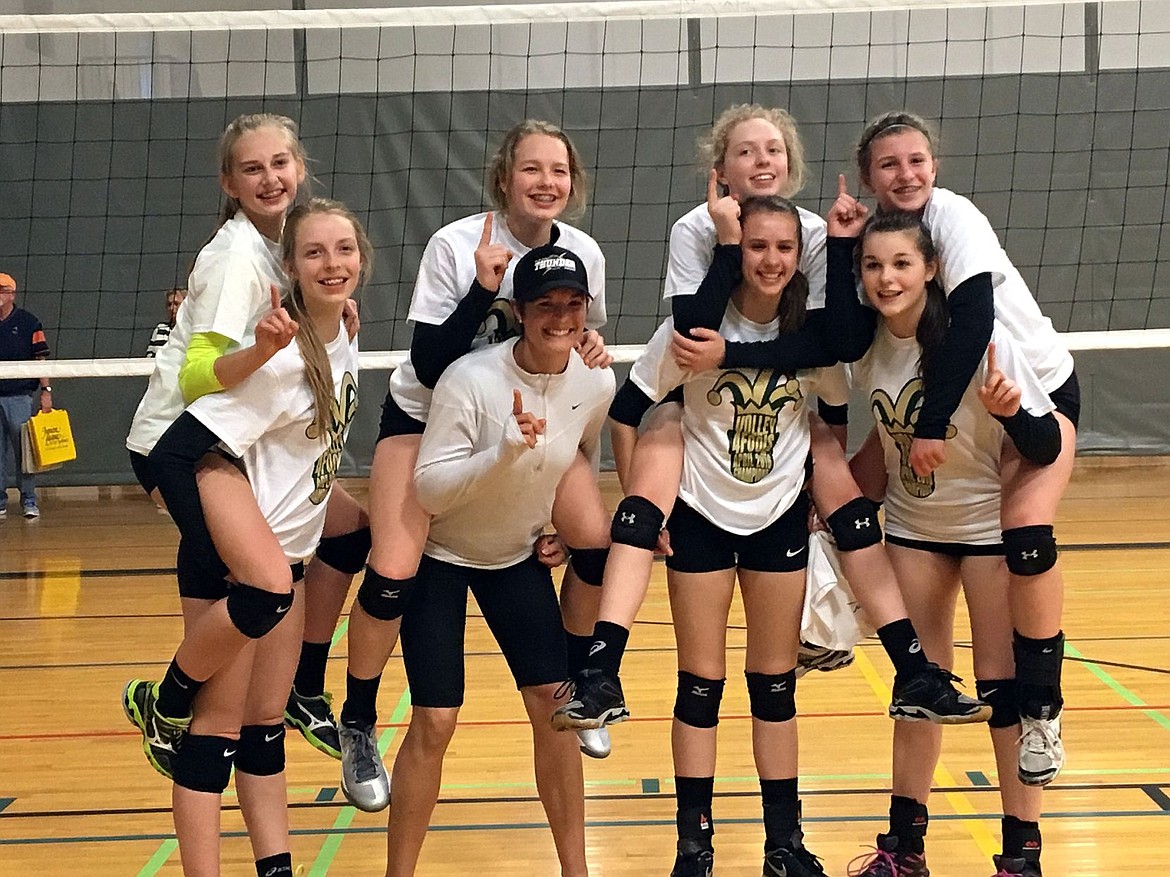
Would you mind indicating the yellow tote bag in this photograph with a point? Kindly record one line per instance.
(51, 438)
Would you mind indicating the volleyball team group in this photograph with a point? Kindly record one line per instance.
(484, 478)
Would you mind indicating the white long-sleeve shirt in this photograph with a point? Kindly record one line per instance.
(490, 494)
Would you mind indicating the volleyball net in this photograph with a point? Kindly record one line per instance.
(1053, 119)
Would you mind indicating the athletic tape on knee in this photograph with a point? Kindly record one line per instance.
(637, 522)
(697, 701)
(1000, 695)
(384, 598)
(204, 764)
(772, 695)
(855, 525)
(1030, 551)
(346, 553)
(589, 564)
(261, 750)
(255, 611)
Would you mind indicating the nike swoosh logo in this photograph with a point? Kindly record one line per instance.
(228, 753)
(792, 553)
(275, 736)
(575, 407)
(283, 609)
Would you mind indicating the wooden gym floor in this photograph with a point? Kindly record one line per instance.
(87, 600)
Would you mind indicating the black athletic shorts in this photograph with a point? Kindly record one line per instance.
(143, 472)
(950, 549)
(1067, 399)
(701, 546)
(395, 421)
(520, 607)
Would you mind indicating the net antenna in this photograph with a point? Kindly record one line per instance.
(1052, 118)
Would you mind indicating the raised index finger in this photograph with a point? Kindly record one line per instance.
(991, 367)
(486, 237)
(274, 294)
(712, 187)
(517, 403)
(842, 185)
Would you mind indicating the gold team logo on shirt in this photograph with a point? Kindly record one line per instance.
(758, 401)
(898, 418)
(341, 413)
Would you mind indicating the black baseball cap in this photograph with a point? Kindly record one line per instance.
(543, 269)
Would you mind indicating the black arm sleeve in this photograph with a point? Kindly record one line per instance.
(629, 404)
(706, 307)
(433, 348)
(1036, 438)
(787, 353)
(851, 325)
(834, 415)
(972, 309)
(173, 462)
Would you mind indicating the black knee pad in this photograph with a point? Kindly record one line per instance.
(589, 564)
(384, 598)
(772, 695)
(855, 525)
(637, 522)
(255, 611)
(261, 750)
(1030, 551)
(204, 764)
(1000, 695)
(346, 553)
(697, 701)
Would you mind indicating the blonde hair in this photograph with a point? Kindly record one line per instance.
(894, 122)
(246, 124)
(318, 372)
(503, 162)
(713, 144)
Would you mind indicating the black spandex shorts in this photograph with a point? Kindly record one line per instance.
(520, 607)
(700, 546)
(1067, 399)
(395, 421)
(143, 472)
(950, 549)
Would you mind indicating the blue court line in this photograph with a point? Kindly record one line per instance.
(326, 795)
(978, 778)
(589, 823)
(4, 802)
(650, 787)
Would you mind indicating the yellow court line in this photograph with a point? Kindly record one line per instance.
(959, 802)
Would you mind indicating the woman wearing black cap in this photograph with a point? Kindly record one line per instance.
(506, 422)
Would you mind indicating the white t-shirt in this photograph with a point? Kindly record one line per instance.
(692, 247)
(227, 293)
(960, 501)
(264, 420)
(745, 431)
(445, 273)
(492, 495)
(967, 245)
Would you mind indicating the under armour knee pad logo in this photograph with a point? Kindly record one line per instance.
(1029, 555)
(860, 523)
(628, 517)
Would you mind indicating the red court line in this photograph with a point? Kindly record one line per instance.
(490, 723)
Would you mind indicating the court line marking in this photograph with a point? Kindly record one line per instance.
(589, 823)
(341, 825)
(1123, 692)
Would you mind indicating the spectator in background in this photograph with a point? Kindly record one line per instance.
(21, 338)
(163, 330)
